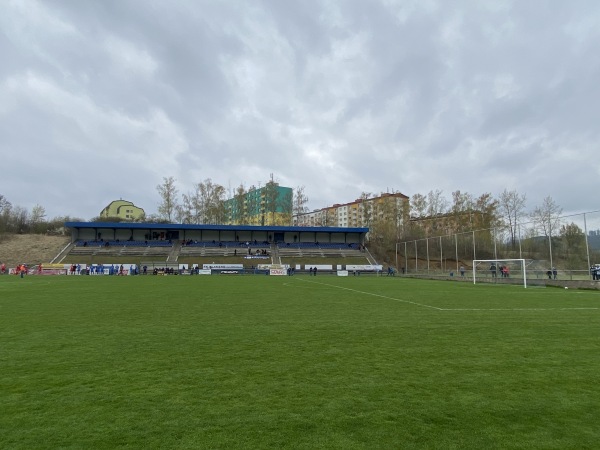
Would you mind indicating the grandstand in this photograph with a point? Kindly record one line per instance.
(94, 242)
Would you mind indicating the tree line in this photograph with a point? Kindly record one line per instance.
(205, 203)
(465, 212)
(503, 221)
(424, 215)
(16, 219)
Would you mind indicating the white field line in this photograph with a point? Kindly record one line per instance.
(374, 295)
(423, 305)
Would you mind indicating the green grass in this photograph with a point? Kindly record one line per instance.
(295, 362)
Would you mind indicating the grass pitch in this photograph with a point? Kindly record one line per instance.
(295, 362)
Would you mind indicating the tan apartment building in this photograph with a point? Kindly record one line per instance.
(359, 213)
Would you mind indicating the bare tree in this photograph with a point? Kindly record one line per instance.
(182, 214)
(574, 240)
(168, 195)
(239, 209)
(436, 203)
(19, 219)
(366, 209)
(461, 211)
(5, 208)
(512, 209)
(212, 201)
(485, 215)
(437, 209)
(546, 217)
(300, 201)
(191, 206)
(4, 204)
(329, 218)
(37, 219)
(418, 206)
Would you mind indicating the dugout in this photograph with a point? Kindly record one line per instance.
(141, 232)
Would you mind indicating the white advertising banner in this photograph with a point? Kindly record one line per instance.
(223, 266)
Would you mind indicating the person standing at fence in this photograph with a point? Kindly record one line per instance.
(462, 271)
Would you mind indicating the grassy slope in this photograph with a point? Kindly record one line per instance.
(30, 248)
(295, 362)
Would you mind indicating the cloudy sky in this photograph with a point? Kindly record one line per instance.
(100, 100)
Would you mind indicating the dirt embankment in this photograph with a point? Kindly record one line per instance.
(30, 248)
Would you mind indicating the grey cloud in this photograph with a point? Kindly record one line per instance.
(341, 97)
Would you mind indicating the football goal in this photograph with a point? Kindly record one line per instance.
(498, 270)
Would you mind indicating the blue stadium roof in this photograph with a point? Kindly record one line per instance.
(174, 226)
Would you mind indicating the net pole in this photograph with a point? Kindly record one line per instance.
(587, 246)
(520, 250)
(442, 256)
(416, 260)
(456, 250)
(495, 246)
(427, 249)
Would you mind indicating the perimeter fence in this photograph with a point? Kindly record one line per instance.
(569, 244)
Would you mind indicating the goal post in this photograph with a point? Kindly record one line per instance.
(498, 270)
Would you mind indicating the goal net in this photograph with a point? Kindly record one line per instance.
(508, 271)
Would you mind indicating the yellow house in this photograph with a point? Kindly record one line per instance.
(122, 209)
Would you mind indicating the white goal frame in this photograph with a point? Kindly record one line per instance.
(498, 262)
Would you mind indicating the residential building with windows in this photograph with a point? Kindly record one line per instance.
(122, 209)
(361, 212)
(265, 206)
